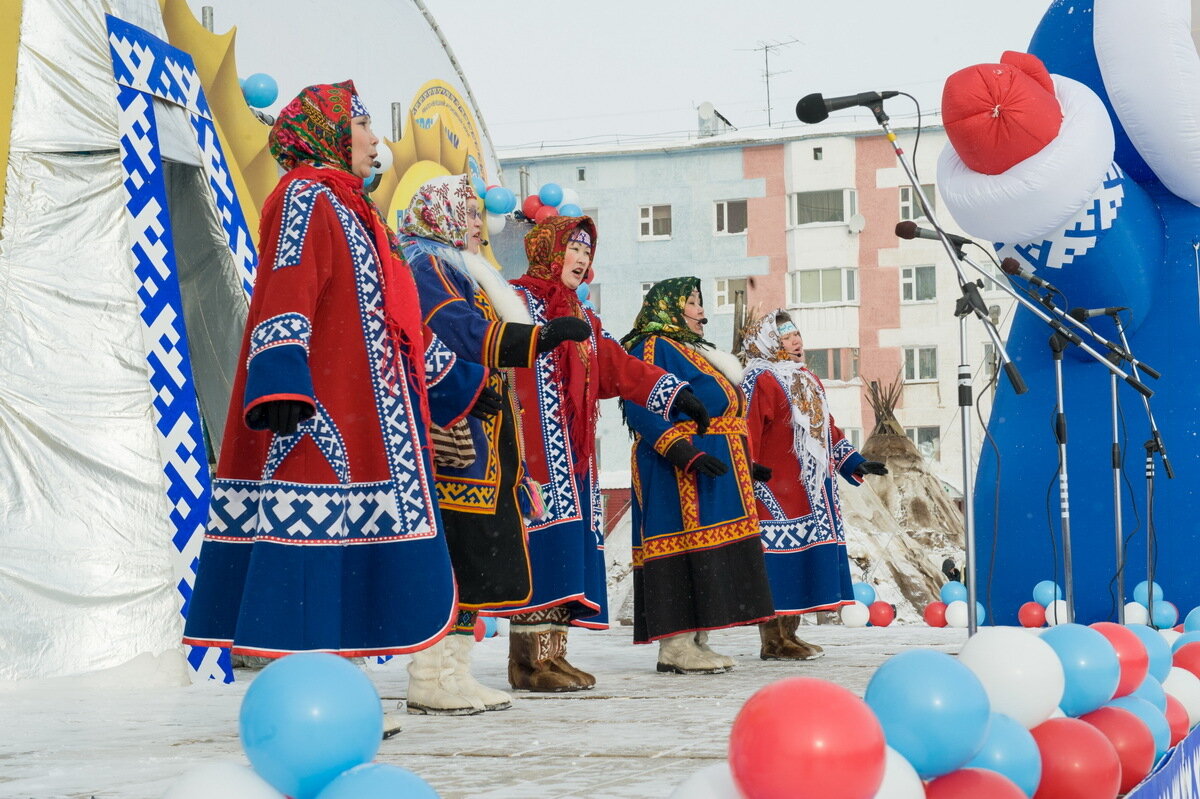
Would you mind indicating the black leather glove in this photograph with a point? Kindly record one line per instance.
(760, 473)
(870, 467)
(281, 417)
(487, 404)
(687, 403)
(687, 458)
(564, 328)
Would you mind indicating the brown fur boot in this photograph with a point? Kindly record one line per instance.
(778, 645)
(789, 626)
(586, 681)
(529, 667)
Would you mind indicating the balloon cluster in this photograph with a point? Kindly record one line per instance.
(551, 200)
(1166, 614)
(259, 90)
(951, 609)
(866, 609)
(310, 724)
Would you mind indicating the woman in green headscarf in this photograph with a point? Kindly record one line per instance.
(697, 558)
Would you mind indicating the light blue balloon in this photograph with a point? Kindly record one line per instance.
(953, 591)
(864, 593)
(489, 626)
(1046, 592)
(550, 194)
(308, 717)
(1151, 717)
(260, 90)
(570, 209)
(1140, 593)
(589, 305)
(933, 709)
(500, 200)
(1089, 664)
(582, 291)
(378, 781)
(1152, 691)
(1183, 640)
(1164, 615)
(1009, 750)
(479, 186)
(1157, 648)
(1192, 620)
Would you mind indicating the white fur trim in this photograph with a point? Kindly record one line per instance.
(508, 304)
(725, 363)
(1039, 194)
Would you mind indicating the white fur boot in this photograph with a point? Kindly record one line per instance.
(702, 643)
(458, 650)
(679, 654)
(432, 688)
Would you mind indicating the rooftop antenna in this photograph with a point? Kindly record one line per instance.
(767, 48)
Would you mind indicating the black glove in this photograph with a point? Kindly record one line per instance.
(687, 403)
(487, 404)
(870, 467)
(564, 328)
(279, 416)
(687, 458)
(760, 473)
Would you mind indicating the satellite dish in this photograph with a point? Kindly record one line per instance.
(856, 223)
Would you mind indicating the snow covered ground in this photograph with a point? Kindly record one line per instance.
(129, 734)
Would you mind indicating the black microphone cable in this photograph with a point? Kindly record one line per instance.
(1049, 513)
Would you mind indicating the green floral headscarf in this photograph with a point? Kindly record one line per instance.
(662, 313)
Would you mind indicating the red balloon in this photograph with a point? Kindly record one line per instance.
(973, 783)
(1078, 762)
(531, 205)
(1188, 657)
(1177, 718)
(1132, 656)
(544, 213)
(1032, 614)
(1130, 736)
(882, 614)
(804, 738)
(1178, 628)
(935, 614)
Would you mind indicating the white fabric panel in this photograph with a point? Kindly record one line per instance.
(1152, 75)
(1039, 194)
(85, 561)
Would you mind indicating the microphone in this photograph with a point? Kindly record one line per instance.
(910, 230)
(701, 319)
(1087, 313)
(377, 164)
(815, 108)
(1011, 266)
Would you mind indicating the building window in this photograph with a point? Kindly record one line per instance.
(593, 214)
(853, 362)
(594, 297)
(727, 292)
(918, 283)
(731, 216)
(818, 153)
(654, 222)
(646, 288)
(928, 441)
(910, 204)
(920, 363)
(825, 364)
(854, 436)
(832, 205)
(581, 174)
(824, 286)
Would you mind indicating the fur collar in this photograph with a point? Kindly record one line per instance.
(724, 362)
(508, 305)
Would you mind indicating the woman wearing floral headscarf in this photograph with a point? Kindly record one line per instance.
(697, 560)
(559, 404)
(793, 435)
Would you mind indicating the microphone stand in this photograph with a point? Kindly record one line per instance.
(1117, 459)
(1059, 340)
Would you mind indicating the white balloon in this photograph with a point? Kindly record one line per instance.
(1056, 613)
(710, 782)
(570, 197)
(1170, 635)
(855, 615)
(1136, 613)
(1058, 714)
(221, 779)
(383, 154)
(495, 223)
(1185, 686)
(1021, 673)
(956, 614)
(900, 780)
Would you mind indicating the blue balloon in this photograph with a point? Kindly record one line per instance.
(1181, 641)
(378, 781)
(582, 291)
(933, 709)
(1158, 649)
(479, 186)
(500, 200)
(1009, 750)
(1151, 717)
(1152, 691)
(864, 593)
(589, 305)
(550, 194)
(1192, 620)
(307, 718)
(1089, 665)
(1164, 615)
(1046, 592)
(260, 90)
(953, 591)
(1141, 594)
(489, 626)
(980, 613)
(570, 209)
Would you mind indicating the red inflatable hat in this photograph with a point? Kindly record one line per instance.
(997, 115)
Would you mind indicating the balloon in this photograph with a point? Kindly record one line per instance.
(1132, 657)
(900, 780)
(710, 782)
(260, 90)
(1089, 664)
(1136, 613)
(1184, 686)
(1130, 738)
(1152, 691)
(551, 194)
(1078, 762)
(1031, 614)
(1170, 636)
(221, 779)
(566, 209)
(591, 306)
(864, 593)
(376, 781)
(1188, 657)
(582, 291)
(308, 717)
(855, 614)
(1177, 720)
(1182, 640)
(1046, 592)
(1164, 615)
(1056, 613)
(544, 213)
(490, 627)
(954, 590)
(1156, 647)
(1150, 717)
(1141, 595)
(935, 614)
(500, 200)
(481, 187)
(932, 707)
(882, 613)
(1010, 750)
(571, 197)
(530, 206)
(384, 156)
(495, 224)
(1021, 673)
(975, 783)
(804, 738)
(956, 613)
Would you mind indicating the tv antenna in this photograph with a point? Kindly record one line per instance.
(767, 48)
